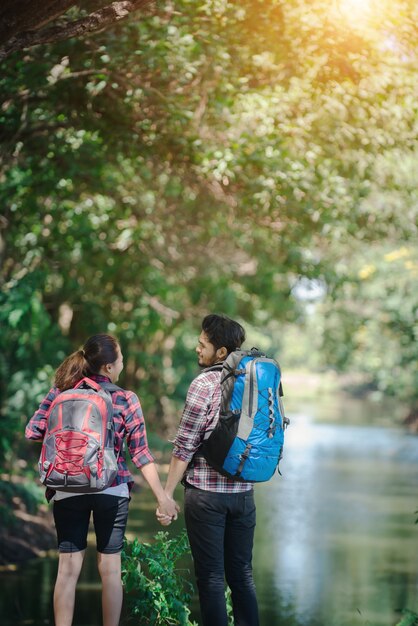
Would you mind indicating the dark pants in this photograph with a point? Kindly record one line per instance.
(221, 527)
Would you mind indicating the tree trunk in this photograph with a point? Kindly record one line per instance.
(27, 23)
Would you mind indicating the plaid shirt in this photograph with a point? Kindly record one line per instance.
(129, 426)
(201, 413)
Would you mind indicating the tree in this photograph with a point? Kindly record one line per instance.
(25, 24)
(207, 157)
(370, 323)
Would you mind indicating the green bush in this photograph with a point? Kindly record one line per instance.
(409, 619)
(30, 494)
(156, 590)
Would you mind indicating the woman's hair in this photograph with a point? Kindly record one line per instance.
(98, 350)
(223, 332)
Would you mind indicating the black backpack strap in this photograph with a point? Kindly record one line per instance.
(214, 368)
(189, 470)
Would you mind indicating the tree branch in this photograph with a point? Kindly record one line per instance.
(19, 16)
(95, 22)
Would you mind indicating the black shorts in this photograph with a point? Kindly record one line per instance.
(72, 517)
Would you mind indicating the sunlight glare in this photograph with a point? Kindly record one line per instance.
(355, 11)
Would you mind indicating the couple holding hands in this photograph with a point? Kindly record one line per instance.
(219, 512)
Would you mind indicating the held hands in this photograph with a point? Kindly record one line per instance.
(167, 510)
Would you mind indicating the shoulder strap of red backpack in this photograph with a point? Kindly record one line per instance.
(110, 386)
(87, 382)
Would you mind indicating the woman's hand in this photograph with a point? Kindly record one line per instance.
(167, 510)
(165, 520)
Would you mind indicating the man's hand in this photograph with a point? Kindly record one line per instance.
(165, 520)
(167, 510)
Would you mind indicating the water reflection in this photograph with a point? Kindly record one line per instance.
(336, 540)
(336, 543)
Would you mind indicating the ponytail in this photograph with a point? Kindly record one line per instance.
(98, 351)
(71, 370)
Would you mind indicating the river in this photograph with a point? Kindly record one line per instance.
(336, 541)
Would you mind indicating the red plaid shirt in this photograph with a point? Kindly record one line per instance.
(201, 413)
(129, 426)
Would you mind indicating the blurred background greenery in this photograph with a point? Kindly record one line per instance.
(256, 158)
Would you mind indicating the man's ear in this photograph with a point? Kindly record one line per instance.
(221, 353)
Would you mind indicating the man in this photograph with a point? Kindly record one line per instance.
(219, 512)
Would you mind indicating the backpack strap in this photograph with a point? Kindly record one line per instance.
(214, 368)
(110, 386)
(286, 420)
(86, 381)
(218, 367)
(89, 382)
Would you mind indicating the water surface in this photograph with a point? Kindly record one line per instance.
(336, 543)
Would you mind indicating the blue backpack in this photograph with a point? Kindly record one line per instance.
(246, 443)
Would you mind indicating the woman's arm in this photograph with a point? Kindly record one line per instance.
(36, 426)
(136, 437)
(166, 505)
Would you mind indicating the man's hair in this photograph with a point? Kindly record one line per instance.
(223, 332)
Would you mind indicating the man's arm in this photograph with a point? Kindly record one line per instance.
(175, 474)
(189, 435)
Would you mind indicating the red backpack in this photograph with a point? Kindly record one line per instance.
(78, 450)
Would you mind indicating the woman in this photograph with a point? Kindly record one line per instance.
(101, 360)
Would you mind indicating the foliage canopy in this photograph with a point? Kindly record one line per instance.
(212, 155)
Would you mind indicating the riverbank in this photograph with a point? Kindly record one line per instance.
(27, 528)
